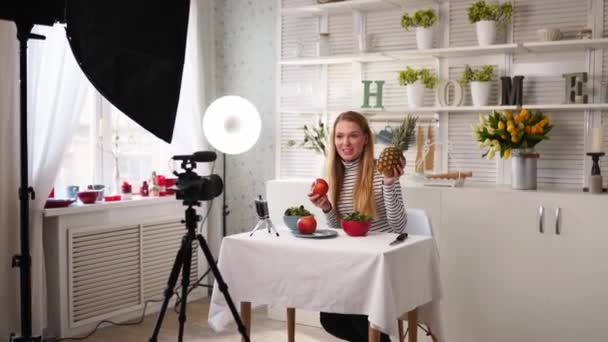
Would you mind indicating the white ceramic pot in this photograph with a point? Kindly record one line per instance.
(486, 32)
(415, 94)
(424, 37)
(480, 93)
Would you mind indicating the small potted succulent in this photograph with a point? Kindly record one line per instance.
(356, 224)
(415, 81)
(488, 18)
(424, 21)
(292, 215)
(481, 83)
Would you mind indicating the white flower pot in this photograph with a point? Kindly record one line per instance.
(486, 32)
(415, 94)
(424, 37)
(480, 92)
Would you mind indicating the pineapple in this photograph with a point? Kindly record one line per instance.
(391, 156)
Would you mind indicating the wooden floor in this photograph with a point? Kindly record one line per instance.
(264, 329)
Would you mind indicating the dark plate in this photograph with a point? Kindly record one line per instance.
(318, 234)
(58, 203)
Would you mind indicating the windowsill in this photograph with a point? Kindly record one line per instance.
(137, 201)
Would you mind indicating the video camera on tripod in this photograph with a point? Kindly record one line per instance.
(191, 187)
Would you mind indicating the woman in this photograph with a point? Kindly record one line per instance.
(356, 185)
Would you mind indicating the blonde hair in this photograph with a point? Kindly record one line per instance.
(364, 198)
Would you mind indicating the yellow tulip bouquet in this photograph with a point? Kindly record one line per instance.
(502, 131)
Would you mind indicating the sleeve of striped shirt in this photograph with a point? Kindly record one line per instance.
(395, 209)
(332, 218)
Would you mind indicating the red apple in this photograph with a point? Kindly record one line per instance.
(307, 224)
(319, 187)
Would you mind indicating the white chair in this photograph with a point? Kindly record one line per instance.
(418, 223)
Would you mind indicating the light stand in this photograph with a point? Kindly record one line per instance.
(24, 260)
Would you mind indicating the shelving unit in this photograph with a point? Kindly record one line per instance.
(351, 5)
(460, 109)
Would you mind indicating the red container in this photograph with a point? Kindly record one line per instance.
(88, 196)
(170, 182)
(356, 228)
(112, 198)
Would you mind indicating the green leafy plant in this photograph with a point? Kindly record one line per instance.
(479, 75)
(315, 138)
(297, 211)
(422, 18)
(410, 76)
(356, 216)
(480, 10)
(502, 131)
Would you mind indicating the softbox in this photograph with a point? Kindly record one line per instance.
(133, 54)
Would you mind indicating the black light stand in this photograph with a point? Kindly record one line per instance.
(24, 260)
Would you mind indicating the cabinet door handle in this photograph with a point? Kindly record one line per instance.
(541, 216)
(558, 219)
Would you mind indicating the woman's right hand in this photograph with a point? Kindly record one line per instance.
(320, 201)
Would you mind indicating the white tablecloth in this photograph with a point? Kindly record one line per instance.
(354, 275)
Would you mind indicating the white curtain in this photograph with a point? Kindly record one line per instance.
(9, 173)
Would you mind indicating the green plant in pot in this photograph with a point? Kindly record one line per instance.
(415, 81)
(480, 80)
(293, 214)
(488, 18)
(423, 20)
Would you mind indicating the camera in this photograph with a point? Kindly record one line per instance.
(190, 187)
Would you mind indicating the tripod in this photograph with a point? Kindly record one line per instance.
(183, 262)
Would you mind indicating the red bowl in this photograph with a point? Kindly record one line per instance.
(356, 228)
(170, 182)
(88, 196)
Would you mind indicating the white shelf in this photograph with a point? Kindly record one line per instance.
(521, 48)
(349, 6)
(563, 107)
(560, 45)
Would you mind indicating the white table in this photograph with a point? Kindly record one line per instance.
(354, 275)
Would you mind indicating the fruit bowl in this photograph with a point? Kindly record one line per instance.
(356, 228)
(291, 222)
(88, 196)
(292, 215)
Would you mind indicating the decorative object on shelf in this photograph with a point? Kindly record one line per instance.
(419, 150)
(87, 196)
(597, 134)
(385, 136)
(512, 91)
(488, 18)
(391, 156)
(576, 87)
(125, 189)
(549, 34)
(515, 135)
(451, 179)
(112, 198)
(596, 180)
(154, 190)
(585, 33)
(323, 44)
(367, 93)
(480, 80)
(98, 187)
(365, 42)
(315, 138)
(424, 21)
(443, 90)
(429, 157)
(71, 191)
(144, 190)
(415, 81)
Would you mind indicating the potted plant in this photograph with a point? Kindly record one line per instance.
(356, 224)
(488, 18)
(514, 135)
(292, 215)
(424, 21)
(415, 81)
(481, 85)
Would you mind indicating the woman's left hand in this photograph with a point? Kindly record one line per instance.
(397, 173)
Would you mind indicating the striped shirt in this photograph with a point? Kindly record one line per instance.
(390, 210)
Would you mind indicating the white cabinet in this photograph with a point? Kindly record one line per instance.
(505, 280)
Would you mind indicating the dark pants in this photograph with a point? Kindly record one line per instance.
(352, 328)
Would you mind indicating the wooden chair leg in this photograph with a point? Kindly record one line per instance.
(412, 325)
(373, 334)
(246, 317)
(401, 332)
(291, 324)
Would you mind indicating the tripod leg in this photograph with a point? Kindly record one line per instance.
(271, 226)
(177, 265)
(259, 225)
(185, 283)
(222, 286)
